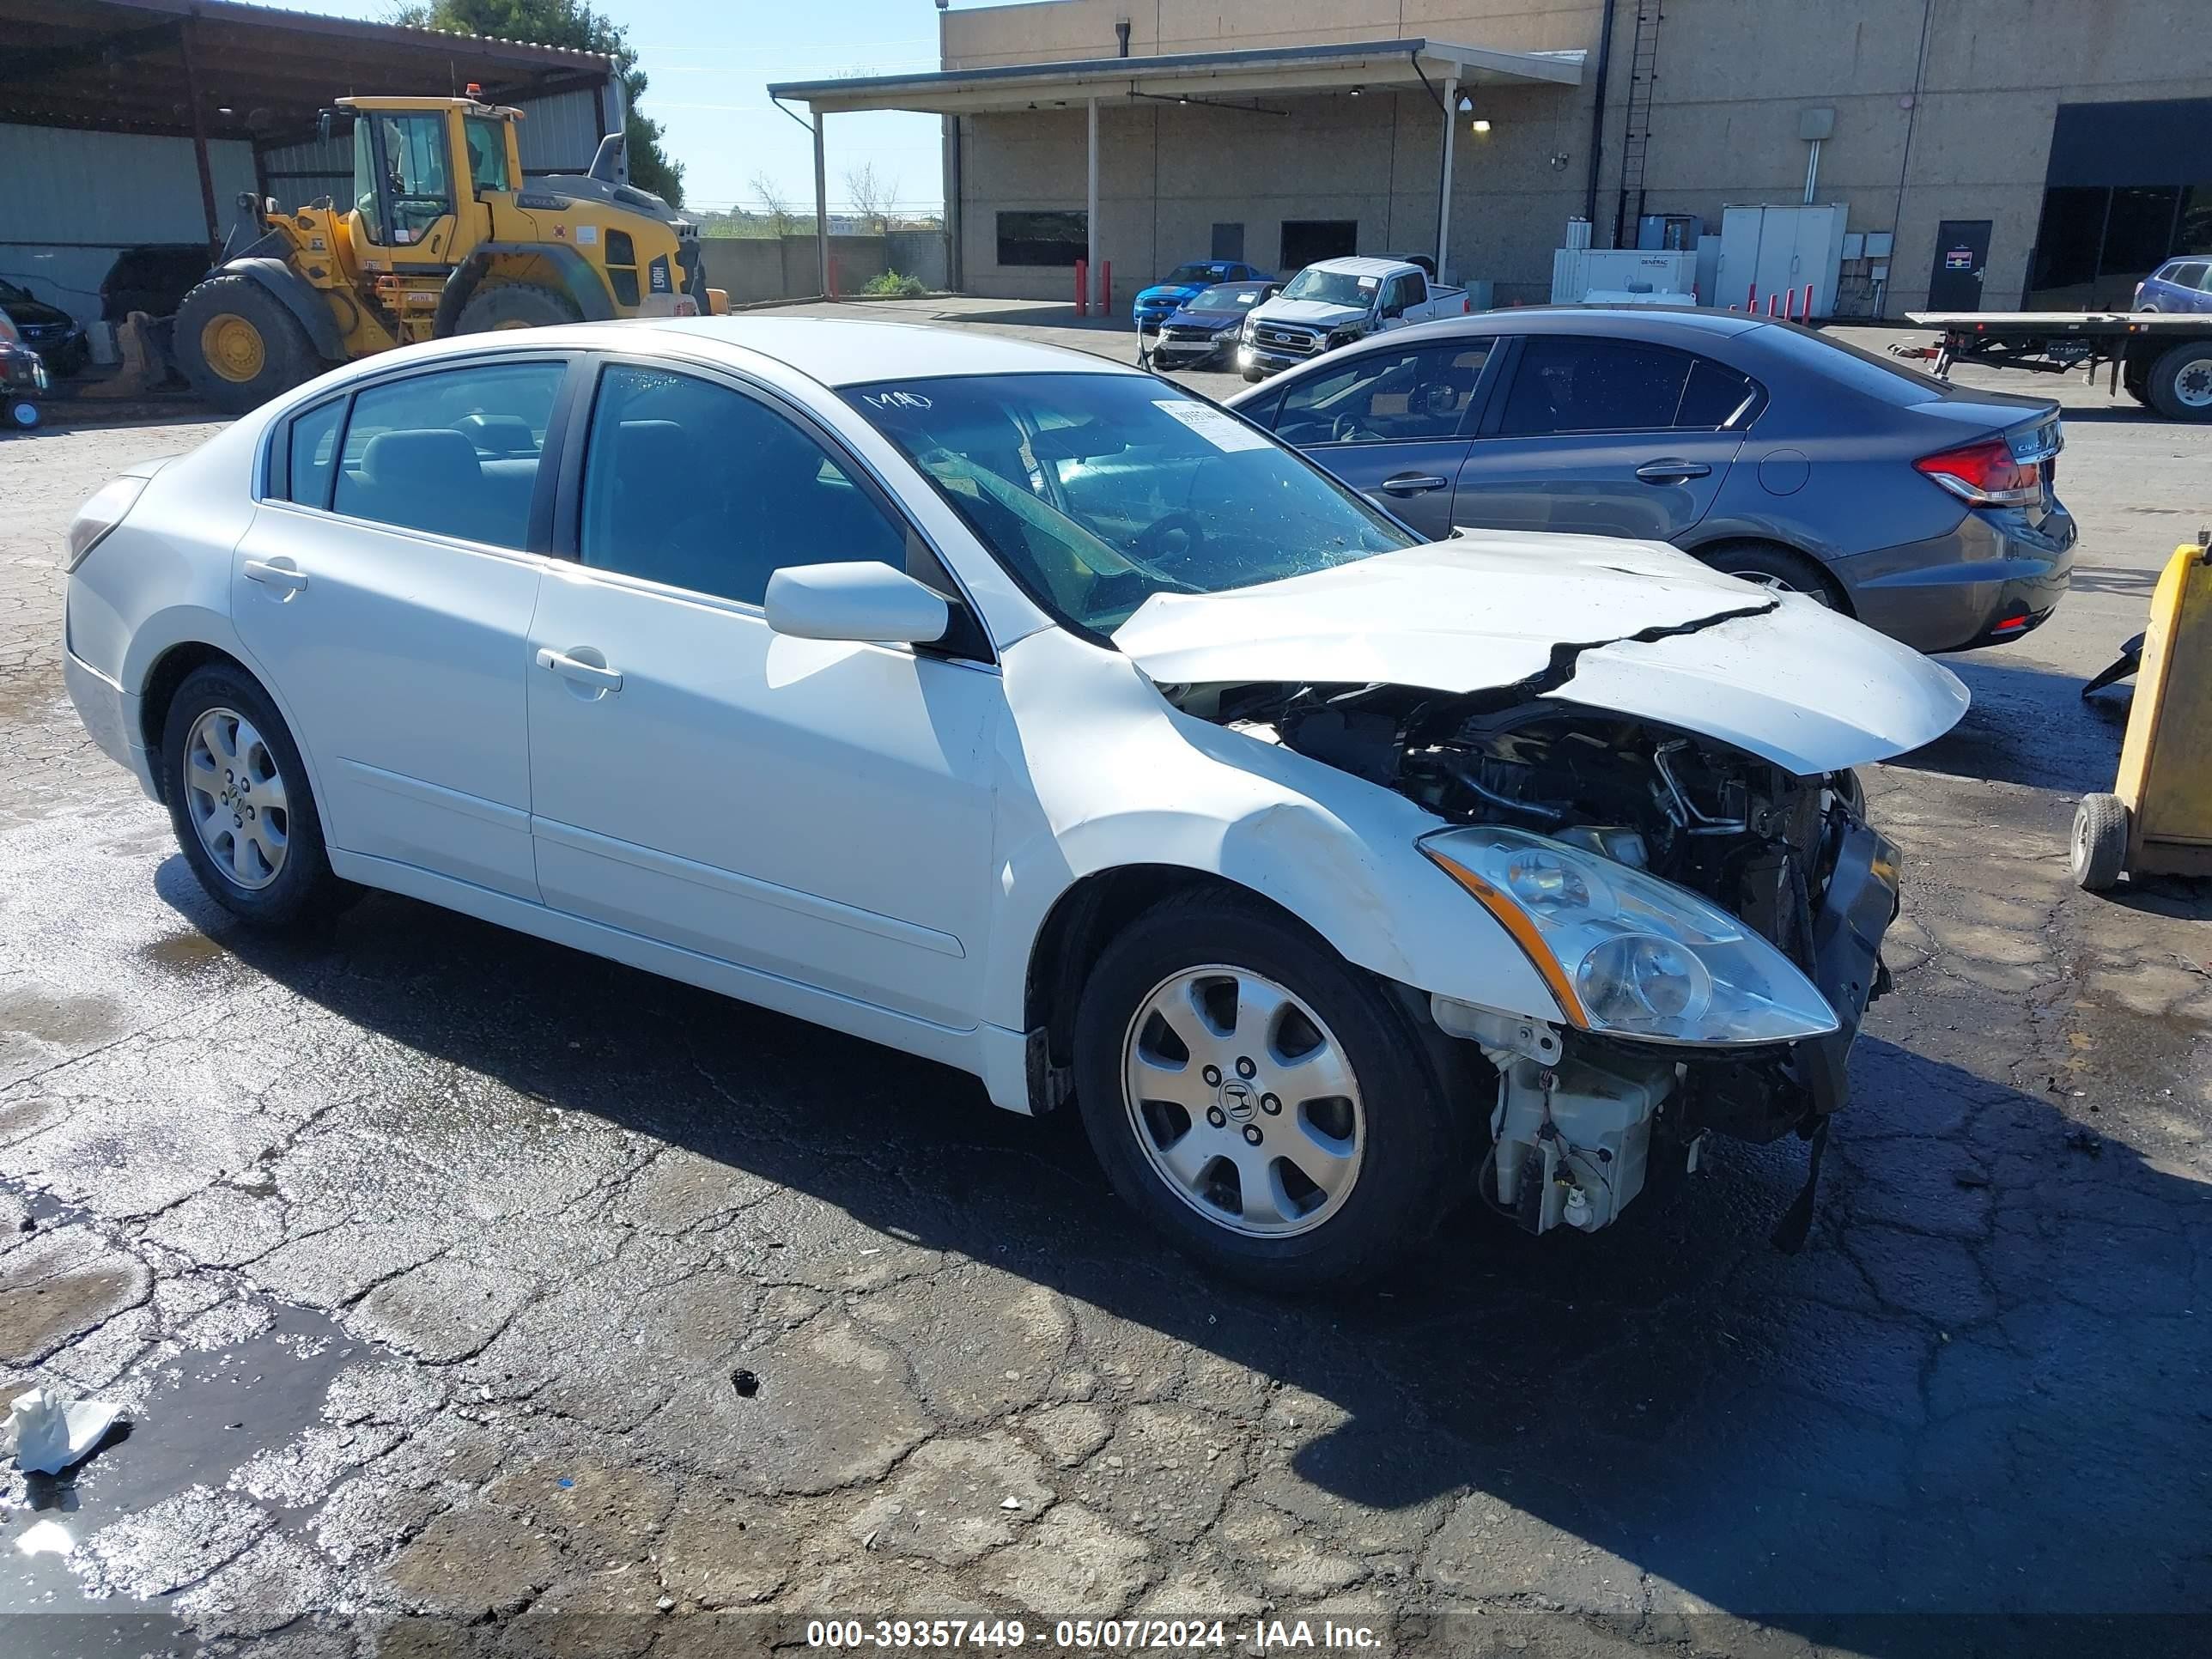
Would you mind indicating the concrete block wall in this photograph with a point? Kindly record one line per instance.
(752, 269)
(1944, 109)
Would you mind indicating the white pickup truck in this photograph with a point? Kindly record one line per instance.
(1335, 302)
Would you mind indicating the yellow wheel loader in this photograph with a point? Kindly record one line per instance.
(443, 236)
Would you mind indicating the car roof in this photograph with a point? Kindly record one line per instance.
(1362, 265)
(1626, 322)
(849, 351)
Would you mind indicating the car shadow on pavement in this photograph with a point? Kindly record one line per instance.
(2029, 725)
(1978, 1394)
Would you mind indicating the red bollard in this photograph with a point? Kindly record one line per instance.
(1105, 287)
(1082, 287)
(1751, 299)
(1808, 316)
(1774, 305)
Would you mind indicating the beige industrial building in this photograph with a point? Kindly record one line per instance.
(1990, 153)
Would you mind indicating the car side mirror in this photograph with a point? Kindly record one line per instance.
(866, 602)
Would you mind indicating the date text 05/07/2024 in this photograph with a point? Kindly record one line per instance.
(1097, 1635)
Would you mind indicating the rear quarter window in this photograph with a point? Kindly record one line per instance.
(1860, 371)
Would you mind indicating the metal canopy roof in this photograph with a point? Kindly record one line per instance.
(133, 65)
(1281, 70)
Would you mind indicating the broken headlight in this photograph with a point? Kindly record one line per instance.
(1627, 953)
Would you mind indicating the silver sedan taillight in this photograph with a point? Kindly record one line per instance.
(101, 514)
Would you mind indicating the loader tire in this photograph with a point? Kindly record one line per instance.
(515, 305)
(238, 346)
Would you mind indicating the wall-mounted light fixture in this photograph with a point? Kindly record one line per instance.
(1479, 124)
(1356, 91)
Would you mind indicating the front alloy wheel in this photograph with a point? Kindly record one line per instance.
(1273, 1109)
(1243, 1102)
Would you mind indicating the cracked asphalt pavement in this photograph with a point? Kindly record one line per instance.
(471, 1296)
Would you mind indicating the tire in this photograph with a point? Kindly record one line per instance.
(294, 884)
(515, 305)
(1401, 1155)
(23, 413)
(2135, 381)
(2099, 847)
(2180, 382)
(1775, 568)
(238, 346)
(1253, 377)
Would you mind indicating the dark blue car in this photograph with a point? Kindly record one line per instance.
(1155, 303)
(1206, 327)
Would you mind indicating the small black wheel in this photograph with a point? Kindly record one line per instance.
(239, 801)
(515, 305)
(2135, 381)
(2180, 382)
(2100, 842)
(1253, 376)
(1777, 567)
(1261, 1102)
(238, 345)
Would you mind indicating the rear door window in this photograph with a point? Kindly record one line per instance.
(313, 454)
(1566, 383)
(454, 452)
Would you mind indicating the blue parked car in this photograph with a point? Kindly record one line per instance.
(2177, 286)
(1206, 327)
(1155, 303)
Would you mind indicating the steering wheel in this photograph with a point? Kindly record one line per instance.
(1347, 429)
(1152, 542)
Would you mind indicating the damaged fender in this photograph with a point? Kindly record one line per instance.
(1130, 781)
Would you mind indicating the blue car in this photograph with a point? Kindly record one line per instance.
(1155, 304)
(1206, 327)
(2179, 285)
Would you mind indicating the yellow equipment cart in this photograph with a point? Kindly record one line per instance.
(2158, 819)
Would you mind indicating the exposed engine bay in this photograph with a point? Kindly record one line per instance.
(1579, 1116)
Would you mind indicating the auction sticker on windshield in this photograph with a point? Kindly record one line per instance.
(1223, 430)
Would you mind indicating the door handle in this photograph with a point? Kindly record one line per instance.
(275, 573)
(1413, 483)
(583, 673)
(1671, 471)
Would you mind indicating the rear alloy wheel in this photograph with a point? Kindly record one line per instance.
(1262, 1102)
(238, 801)
(1776, 568)
(2180, 382)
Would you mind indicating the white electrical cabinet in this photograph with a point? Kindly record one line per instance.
(1777, 250)
(1653, 276)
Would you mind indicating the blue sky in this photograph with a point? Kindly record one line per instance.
(709, 59)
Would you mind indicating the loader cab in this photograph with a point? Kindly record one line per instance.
(422, 168)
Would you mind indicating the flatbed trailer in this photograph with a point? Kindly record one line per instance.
(2160, 359)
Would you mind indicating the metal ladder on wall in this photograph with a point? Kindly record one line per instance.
(1643, 70)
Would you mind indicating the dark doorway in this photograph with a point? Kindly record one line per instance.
(1305, 240)
(1962, 253)
(1228, 242)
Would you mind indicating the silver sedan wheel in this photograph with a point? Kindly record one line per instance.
(235, 796)
(1243, 1102)
(1773, 583)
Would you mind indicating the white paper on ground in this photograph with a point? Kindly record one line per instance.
(48, 1435)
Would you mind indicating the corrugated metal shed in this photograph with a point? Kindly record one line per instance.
(76, 199)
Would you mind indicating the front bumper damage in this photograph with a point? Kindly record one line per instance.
(1579, 1119)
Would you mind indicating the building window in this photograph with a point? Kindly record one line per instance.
(2095, 242)
(1306, 241)
(1050, 238)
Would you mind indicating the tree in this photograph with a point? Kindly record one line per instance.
(872, 198)
(772, 199)
(573, 24)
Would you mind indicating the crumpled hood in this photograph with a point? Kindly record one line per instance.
(1314, 314)
(1633, 627)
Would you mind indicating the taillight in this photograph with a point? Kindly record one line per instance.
(99, 515)
(1985, 474)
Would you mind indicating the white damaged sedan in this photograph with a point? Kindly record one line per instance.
(1018, 709)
